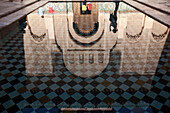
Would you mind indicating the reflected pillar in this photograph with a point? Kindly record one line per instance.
(134, 48)
(37, 52)
(157, 37)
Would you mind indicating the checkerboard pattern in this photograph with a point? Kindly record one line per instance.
(125, 94)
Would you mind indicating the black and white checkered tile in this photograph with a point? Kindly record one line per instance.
(125, 94)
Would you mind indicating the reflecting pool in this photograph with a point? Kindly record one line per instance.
(86, 55)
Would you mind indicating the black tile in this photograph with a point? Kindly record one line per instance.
(34, 90)
(95, 101)
(117, 83)
(83, 91)
(57, 100)
(24, 82)
(2, 68)
(61, 83)
(18, 99)
(12, 69)
(11, 57)
(81, 111)
(38, 82)
(161, 99)
(10, 89)
(97, 111)
(154, 82)
(104, 76)
(4, 98)
(155, 110)
(108, 100)
(70, 100)
(143, 90)
(94, 83)
(16, 81)
(62, 76)
(147, 99)
(3, 81)
(1, 108)
(15, 63)
(95, 91)
(49, 82)
(129, 83)
(156, 90)
(22, 69)
(59, 91)
(31, 99)
(112, 111)
(165, 109)
(107, 91)
(134, 99)
(71, 91)
(72, 83)
(83, 83)
(47, 90)
(83, 101)
(13, 109)
(131, 91)
(166, 88)
(121, 100)
(162, 81)
(18, 75)
(119, 91)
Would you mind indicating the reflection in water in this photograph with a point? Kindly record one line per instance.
(140, 40)
(113, 18)
(85, 20)
(101, 61)
(37, 47)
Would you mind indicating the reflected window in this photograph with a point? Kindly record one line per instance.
(85, 8)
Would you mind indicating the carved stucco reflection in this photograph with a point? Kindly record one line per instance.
(37, 53)
(141, 55)
(84, 61)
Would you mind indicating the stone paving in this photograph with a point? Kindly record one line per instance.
(7, 7)
(162, 2)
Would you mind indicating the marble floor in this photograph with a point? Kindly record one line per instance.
(124, 92)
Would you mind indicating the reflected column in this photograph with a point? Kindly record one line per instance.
(37, 47)
(157, 37)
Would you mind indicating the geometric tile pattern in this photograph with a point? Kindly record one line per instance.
(19, 93)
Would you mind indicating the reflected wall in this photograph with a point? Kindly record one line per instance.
(139, 40)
